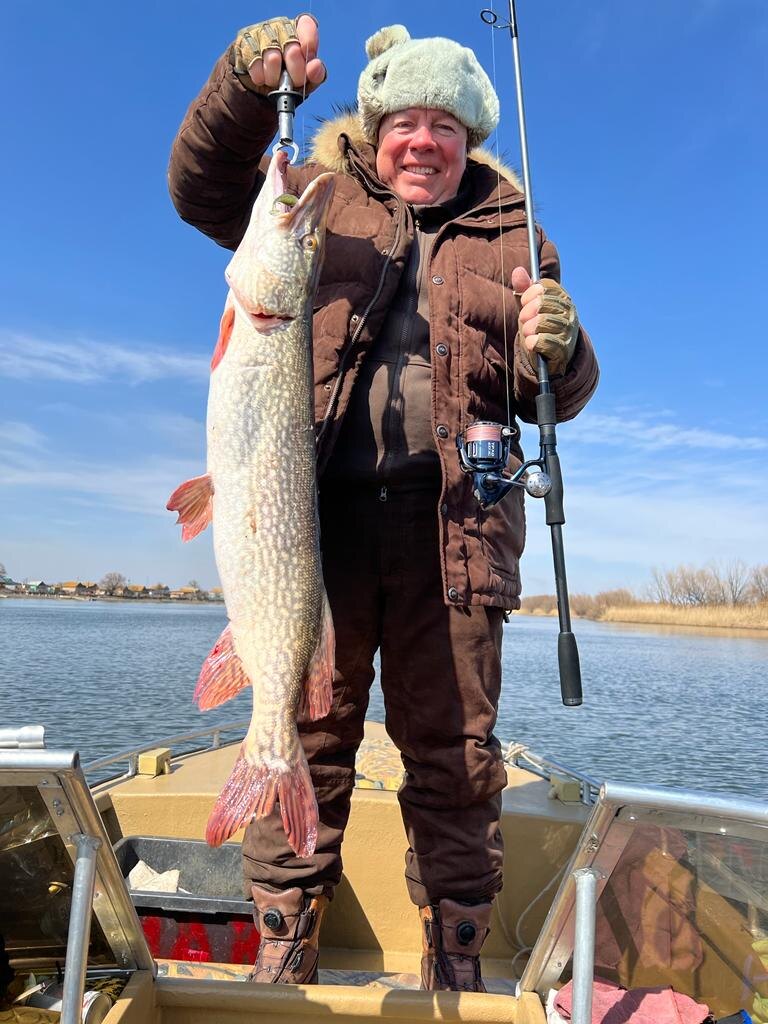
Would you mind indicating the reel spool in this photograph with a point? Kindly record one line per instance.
(484, 450)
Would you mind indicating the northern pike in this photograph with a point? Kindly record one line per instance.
(260, 492)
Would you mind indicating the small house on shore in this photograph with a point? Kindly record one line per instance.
(39, 587)
(187, 594)
(77, 588)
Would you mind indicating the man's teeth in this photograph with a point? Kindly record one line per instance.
(421, 170)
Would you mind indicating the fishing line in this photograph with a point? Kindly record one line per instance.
(501, 246)
(304, 97)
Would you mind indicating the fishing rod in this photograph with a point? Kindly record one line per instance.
(485, 448)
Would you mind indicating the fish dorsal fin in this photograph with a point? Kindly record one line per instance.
(225, 333)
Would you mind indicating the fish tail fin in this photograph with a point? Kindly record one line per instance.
(192, 500)
(222, 675)
(317, 690)
(252, 791)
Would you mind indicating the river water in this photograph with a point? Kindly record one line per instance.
(661, 706)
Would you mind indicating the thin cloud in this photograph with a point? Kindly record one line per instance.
(142, 488)
(84, 361)
(175, 426)
(647, 433)
(20, 435)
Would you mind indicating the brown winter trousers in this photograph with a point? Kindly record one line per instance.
(440, 676)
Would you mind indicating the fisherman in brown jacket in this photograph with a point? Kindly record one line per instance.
(425, 320)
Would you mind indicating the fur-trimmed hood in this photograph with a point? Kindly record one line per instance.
(325, 149)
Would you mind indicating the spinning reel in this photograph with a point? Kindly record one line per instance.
(484, 452)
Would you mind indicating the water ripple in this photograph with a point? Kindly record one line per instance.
(668, 708)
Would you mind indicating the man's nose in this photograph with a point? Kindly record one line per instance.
(423, 138)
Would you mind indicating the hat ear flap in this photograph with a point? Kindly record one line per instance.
(385, 39)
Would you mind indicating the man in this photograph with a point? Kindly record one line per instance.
(425, 320)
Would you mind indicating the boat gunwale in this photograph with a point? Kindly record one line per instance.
(515, 753)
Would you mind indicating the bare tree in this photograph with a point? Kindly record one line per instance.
(736, 581)
(758, 584)
(194, 583)
(658, 589)
(2, 569)
(112, 581)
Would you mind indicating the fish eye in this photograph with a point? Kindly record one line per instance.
(309, 242)
(286, 199)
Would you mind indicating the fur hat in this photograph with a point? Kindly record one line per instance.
(436, 73)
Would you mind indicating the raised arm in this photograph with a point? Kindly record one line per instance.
(214, 172)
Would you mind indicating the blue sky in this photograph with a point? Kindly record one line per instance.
(648, 155)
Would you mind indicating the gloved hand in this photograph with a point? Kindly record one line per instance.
(548, 323)
(258, 53)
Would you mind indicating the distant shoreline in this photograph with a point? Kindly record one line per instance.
(109, 600)
(736, 620)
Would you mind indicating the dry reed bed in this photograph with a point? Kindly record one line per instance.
(752, 616)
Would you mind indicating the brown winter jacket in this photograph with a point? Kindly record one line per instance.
(214, 176)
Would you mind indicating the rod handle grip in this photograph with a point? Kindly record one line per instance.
(570, 670)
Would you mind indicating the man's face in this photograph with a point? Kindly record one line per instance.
(422, 154)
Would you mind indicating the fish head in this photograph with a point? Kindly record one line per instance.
(274, 272)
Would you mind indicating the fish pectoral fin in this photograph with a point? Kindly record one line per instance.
(317, 690)
(222, 675)
(192, 500)
(225, 333)
(253, 790)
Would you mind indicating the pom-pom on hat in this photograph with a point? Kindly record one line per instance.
(436, 73)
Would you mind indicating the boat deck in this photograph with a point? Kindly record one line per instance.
(383, 941)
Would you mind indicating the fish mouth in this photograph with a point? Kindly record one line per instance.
(310, 211)
(264, 319)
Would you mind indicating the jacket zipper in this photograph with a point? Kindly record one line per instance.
(361, 323)
(383, 494)
(406, 330)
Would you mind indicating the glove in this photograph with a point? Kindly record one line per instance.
(273, 34)
(548, 322)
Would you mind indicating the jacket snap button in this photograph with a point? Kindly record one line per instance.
(385, 252)
(442, 431)
(437, 279)
(442, 350)
(453, 594)
(444, 509)
(465, 933)
(327, 387)
(354, 318)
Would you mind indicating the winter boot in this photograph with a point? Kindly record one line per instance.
(453, 935)
(289, 923)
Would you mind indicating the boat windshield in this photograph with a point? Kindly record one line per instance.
(57, 866)
(37, 874)
(682, 899)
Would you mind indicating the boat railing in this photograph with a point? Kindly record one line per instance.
(193, 743)
(200, 740)
(520, 756)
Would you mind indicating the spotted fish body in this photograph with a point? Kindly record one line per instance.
(260, 492)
